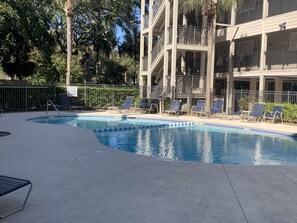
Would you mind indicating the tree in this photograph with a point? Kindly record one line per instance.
(68, 6)
(24, 28)
(210, 9)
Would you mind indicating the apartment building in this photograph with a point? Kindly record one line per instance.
(256, 48)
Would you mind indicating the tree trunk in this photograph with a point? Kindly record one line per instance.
(209, 92)
(69, 48)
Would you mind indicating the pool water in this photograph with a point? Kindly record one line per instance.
(189, 142)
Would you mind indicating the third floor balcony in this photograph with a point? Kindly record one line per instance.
(190, 35)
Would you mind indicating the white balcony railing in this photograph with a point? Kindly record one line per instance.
(190, 35)
(281, 60)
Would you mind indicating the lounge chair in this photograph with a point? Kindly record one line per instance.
(174, 107)
(154, 106)
(11, 184)
(143, 105)
(277, 113)
(199, 108)
(256, 113)
(216, 108)
(66, 104)
(127, 104)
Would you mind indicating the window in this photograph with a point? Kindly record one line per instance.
(245, 48)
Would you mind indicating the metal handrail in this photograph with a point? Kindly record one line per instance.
(55, 107)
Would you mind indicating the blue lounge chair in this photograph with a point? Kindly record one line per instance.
(143, 105)
(127, 104)
(154, 105)
(174, 107)
(199, 108)
(277, 113)
(66, 104)
(216, 108)
(11, 184)
(256, 113)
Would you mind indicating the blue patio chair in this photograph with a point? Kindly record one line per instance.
(216, 108)
(199, 108)
(174, 107)
(154, 106)
(277, 113)
(256, 113)
(127, 104)
(66, 104)
(143, 105)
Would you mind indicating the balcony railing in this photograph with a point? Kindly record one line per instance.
(281, 60)
(190, 35)
(145, 21)
(145, 63)
(187, 83)
(156, 6)
(158, 47)
(247, 62)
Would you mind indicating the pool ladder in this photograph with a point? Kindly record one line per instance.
(55, 107)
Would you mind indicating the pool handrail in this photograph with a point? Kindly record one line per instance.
(55, 107)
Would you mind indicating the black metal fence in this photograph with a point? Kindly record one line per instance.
(24, 97)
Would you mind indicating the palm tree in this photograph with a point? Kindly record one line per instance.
(210, 8)
(68, 6)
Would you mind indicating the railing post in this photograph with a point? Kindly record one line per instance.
(283, 60)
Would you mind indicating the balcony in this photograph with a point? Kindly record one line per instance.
(247, 62)
(281, 60)
(190, 36)
(145, 21)
(145, 63)
(158, 47)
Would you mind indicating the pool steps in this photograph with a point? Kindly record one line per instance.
(144, 126)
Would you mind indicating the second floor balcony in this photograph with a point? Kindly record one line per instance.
(250, 62)
(281, 59)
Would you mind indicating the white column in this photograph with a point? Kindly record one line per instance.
(174, 43)
(230, 81)
(150, 48)
(261, 87)
(278, 90)
(183, 61)
(166, 42)
(202, 70)
(265, 8)
(141, 39)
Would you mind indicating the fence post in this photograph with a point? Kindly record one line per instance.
(85, 92)
(113, 95)
(26, 96)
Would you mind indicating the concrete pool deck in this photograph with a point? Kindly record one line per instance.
(77, 179)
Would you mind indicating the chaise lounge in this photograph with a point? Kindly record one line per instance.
(11, 184)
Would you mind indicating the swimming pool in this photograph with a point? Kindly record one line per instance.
(186, 141)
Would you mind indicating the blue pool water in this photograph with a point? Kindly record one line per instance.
(188, 141)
